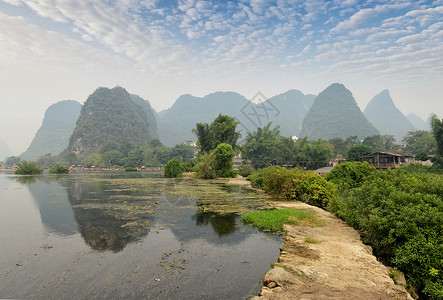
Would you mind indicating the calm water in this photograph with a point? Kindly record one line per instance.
(122, 235)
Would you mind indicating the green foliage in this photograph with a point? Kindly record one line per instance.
(437, 131)
(401, 216)
(381, 142)
(217, 163)
(221, 130)
(131, 169)
(350, 174)
(273, 220)
(295, 184)
(46, 160)
(245, 170)
(265, 146)
(205, 168)
(58, 169)
(420, 141)
(422, 156)
(28, 168)
(357, 151)
(173, 169)
(223, 156)
(256, 178)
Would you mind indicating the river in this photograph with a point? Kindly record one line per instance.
(129, 235)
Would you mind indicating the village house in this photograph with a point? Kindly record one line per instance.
(384, 160)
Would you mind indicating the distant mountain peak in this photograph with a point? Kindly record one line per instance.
(110, 117)
(57, 126)
(386, 117)
(335, 113)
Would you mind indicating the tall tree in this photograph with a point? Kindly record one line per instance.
(420, 141)
(221, 130)
(437, 131)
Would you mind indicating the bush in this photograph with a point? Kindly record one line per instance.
(131, 169)
(173, 168)
(256, 179)
(294, 184)
(58, 169)
(245, 170)
(28, 168)
(310, 188)
(205, 168)
(350, 174)
(401, 216)
(217, 163)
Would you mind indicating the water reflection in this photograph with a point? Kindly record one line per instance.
(184, 250)
(111, 211)
(223, 224)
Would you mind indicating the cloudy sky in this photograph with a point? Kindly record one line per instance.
(51, 50)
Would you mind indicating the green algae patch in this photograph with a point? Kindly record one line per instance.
(273, 220)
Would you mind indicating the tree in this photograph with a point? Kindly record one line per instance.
(437, 131)
(420, 141)
(381, 142)
(421, 156)
(28, 168)
(339, 146)
(112, 158)
(357, 151)
(261, 145)
(223, 156)
(173, 169)
(221, 130)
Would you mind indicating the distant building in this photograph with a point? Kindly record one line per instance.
(384, 160)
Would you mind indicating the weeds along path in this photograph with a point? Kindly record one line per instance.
(328, 262)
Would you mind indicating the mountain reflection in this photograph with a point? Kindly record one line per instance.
(110, 212)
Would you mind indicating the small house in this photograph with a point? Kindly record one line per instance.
(384, 160)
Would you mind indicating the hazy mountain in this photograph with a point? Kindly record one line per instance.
(428, 121)
(53, 136)
(286, 110)
(108, 118)
(176, 123)
(293, 107)
(386, 117)
(5, 151)
(417, 122)
(335, 113)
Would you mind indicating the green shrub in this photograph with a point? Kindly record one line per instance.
(205, 168)
(245, 170)
(131, 169)
(298, 185)
(58, 169)
(217, 163)
(28, 168)
(310, 188)
(223, 156)
(173, 168)
(401, 216)
(256, 178)
(350, 174)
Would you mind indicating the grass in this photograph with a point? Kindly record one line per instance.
(273, 220)
(311, 240)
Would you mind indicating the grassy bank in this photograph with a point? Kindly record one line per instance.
(273, 220)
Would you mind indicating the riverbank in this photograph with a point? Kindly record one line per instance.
(328, 262)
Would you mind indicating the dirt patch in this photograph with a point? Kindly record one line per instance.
(338, 267)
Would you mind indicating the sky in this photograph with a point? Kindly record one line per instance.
(52, 50)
